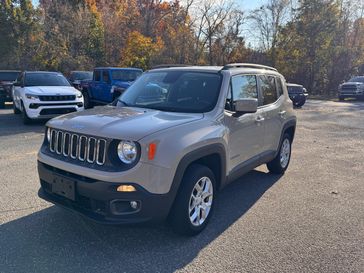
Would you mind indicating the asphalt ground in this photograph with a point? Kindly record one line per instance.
(309, 220)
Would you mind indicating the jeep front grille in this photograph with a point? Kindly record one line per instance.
(79, 147)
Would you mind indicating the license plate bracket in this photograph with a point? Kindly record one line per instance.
(64, 186)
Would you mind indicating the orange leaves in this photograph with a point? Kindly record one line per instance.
(139, 50)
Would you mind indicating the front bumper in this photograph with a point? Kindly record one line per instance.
(296, 98)
(344, 95)
(99, 200)
(40, 110)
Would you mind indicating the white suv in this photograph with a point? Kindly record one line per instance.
(39, 95)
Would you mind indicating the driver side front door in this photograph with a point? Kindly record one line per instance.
(246, 131)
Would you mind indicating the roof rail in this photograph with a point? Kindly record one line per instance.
(169, 66)
(247, 65)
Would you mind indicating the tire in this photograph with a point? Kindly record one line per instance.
(15, 109)
(2, 104)
(188, 201)
(26, 119)
(280, 163)
(86, 100)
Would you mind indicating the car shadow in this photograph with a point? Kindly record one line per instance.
(57, 240)
(11, 124)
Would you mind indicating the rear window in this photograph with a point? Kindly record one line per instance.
(125, 75)
(45, 79)
(9, 76)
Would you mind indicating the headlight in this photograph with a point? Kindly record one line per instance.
(31, 96)
(127, 151)
(49, 134)
(78, 94)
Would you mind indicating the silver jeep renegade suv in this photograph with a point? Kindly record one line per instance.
(168, 144)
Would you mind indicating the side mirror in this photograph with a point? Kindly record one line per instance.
(246, 105)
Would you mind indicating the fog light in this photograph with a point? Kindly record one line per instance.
(126, 188)
(134, 204)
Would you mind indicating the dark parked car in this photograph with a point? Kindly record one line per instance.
(297, 93)
(77, 76)
(7, 79)
(354, 88)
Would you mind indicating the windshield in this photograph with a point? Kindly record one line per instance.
(357, 79)
(174, 91)
(294, 89)
(125, 75)
(45, 79)
(9, 76)
(86, 75)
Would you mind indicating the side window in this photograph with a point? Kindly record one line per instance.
(244, 86)
(268, 88)
(279, 86)
(241, 87)
(97, 75)
(105, 76)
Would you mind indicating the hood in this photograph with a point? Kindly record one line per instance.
(6, 82)
(352, 83)
(127, 123)
(122, 84)
(51, 90)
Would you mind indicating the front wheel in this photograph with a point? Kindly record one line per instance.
(15, 109)
(280, 163)
(25, 117)
(194, 203)
(86, 100)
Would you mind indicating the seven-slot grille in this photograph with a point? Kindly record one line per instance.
(57, 98)
(80, 147)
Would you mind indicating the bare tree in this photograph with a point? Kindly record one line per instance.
(267, 22)
(210, 17)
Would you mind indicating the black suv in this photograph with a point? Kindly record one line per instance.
(297, 93)
(7, 79)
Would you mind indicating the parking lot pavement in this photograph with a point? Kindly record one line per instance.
(309, 220)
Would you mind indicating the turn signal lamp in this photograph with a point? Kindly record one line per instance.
(126, 188)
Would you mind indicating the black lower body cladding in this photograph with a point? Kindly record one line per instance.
(99, 200)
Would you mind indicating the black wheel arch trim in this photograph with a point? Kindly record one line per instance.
(193, 156)
(289, 124)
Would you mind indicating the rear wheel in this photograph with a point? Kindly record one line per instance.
(194, 203)
(280, 163)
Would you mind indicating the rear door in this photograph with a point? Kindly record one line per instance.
(271, 90)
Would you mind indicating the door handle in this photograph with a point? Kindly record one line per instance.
(259, 120)
(282, 114)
